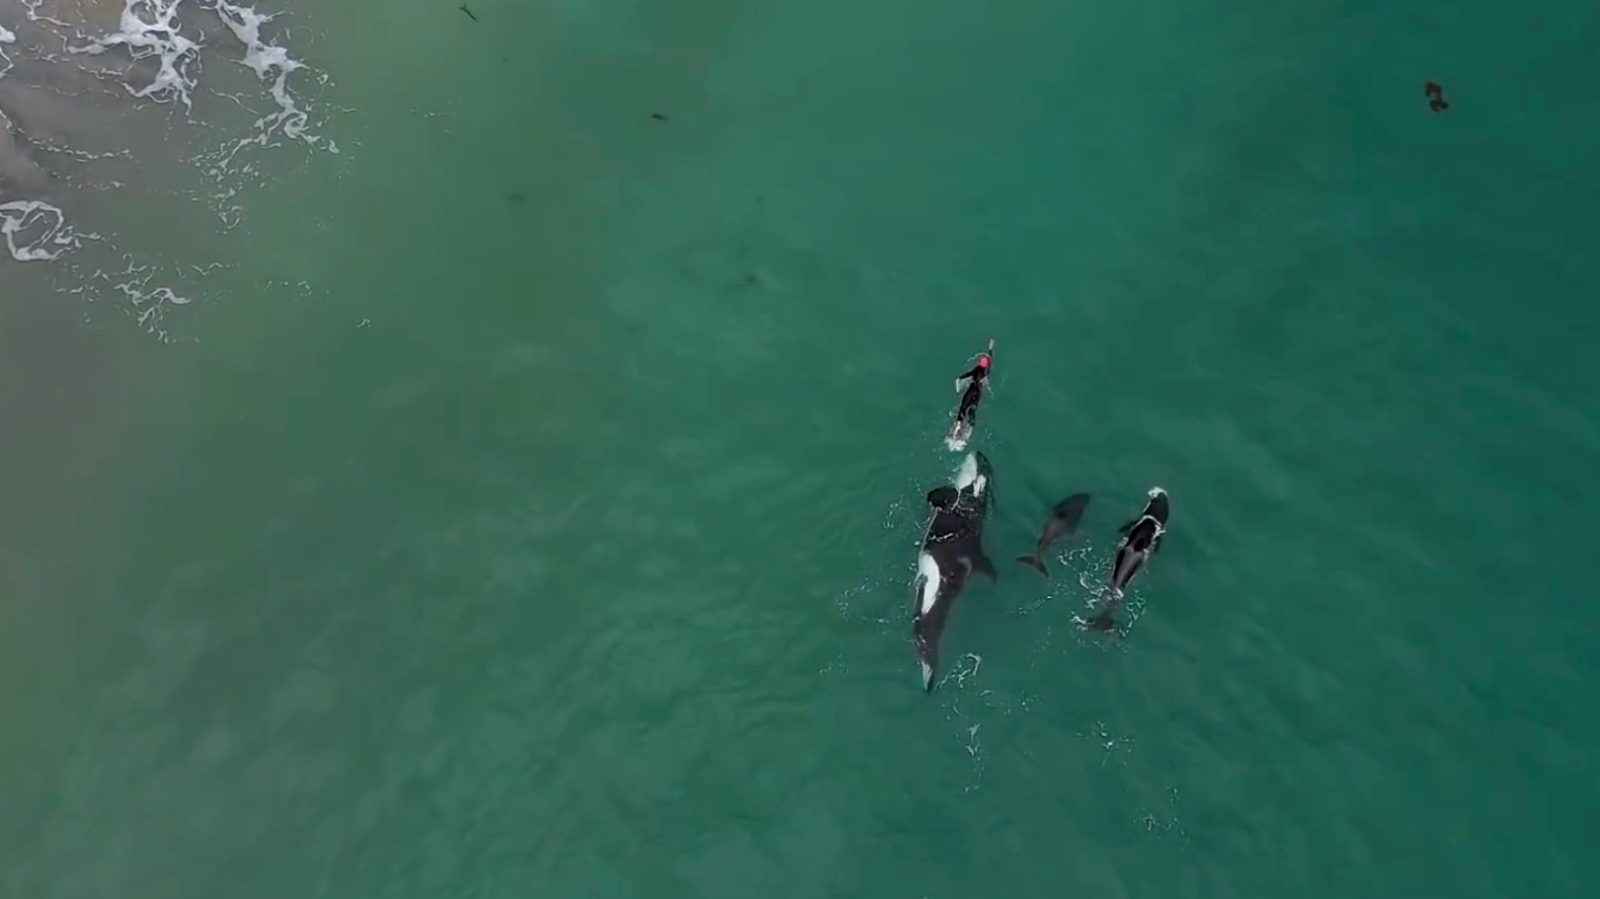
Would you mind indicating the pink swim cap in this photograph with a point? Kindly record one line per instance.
(983, 361)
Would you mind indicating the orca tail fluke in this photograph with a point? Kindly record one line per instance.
(1036, 563)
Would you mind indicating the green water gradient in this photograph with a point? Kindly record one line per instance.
(558, 542)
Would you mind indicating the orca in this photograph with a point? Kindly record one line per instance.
(952, 549)
(1141, 538)
(1063, 520)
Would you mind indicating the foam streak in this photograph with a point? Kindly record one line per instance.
(149, 28)
(51, 236)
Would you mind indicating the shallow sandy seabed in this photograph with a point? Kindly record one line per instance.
(56, 97)
(145, 96)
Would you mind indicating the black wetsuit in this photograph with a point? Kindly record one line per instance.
(968, 411)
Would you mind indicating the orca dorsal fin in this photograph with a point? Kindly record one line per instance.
(1070, 510)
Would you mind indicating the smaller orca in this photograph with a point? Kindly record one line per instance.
(1141, 538)
(1063, 519)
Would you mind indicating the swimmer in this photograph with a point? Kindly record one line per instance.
(972, 384)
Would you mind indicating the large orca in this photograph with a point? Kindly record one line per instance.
(951, 550)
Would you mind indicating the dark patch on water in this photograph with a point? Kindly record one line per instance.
(1435, 94)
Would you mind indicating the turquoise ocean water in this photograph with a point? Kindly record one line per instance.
(528, 507)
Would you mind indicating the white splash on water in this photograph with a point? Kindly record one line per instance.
(51, 236)
(151, 302)
(274, 65)
(967, 473)
(167, 37)
(149, 28)
(148, 304)
(6, 37)
(32, 6)
(967, 667)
